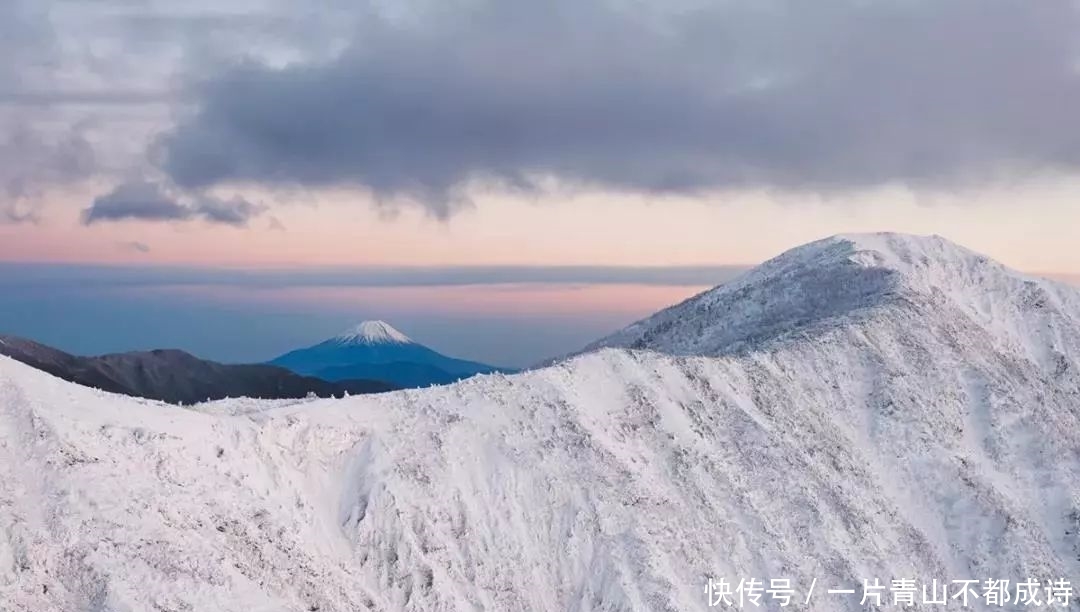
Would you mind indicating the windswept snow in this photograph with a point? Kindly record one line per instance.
(895, 422)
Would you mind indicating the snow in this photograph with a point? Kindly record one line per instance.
(372, 332)
(913, 426)
(835, 280)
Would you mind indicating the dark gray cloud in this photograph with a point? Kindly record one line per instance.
(836, 94)
(236, 211)
(150, 201)
(139, 200)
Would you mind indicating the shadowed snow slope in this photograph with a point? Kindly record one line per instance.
(905, 409)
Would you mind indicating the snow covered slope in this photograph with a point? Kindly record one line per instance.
(843, 278)
(912, 425)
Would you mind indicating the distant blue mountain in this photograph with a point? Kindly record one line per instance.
(374, 350)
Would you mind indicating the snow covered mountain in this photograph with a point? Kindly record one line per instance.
(867, 407)
(374, 350)
(844, 280)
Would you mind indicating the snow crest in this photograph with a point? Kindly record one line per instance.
(372, 332)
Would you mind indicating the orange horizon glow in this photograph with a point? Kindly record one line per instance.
(508, 299)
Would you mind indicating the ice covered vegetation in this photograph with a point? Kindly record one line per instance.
(874, 406)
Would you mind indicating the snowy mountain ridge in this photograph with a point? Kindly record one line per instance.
(175, 376)
(854, 276)
(888, 431)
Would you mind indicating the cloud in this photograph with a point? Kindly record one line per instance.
(59, 97)
(35, 154)
(134, 246)
(137, 200)
(13, 215)
(660, 98)
(236, 211)
(150, 201)
(33, 160)
(26, 36)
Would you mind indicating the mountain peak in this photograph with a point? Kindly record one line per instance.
(372, 332)
(844, 277)
(888, 250)
(901, 252)
(901, 262)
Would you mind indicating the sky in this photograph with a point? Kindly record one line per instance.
(504, 180)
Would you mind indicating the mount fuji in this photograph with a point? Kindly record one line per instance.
(374, 350)
(862, 408)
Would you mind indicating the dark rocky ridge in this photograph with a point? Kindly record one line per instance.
(178, 377)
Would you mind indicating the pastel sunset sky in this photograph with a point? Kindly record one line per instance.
(503, 180)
